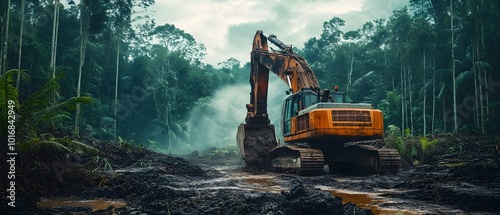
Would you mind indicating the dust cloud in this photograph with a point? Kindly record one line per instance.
(214, 122)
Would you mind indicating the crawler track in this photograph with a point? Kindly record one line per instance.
(296, 159)
(389, 160)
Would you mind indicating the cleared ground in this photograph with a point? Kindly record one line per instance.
(462, 177)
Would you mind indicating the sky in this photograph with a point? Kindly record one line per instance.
(227, 27)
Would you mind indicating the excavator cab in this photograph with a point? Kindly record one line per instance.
(293, 104)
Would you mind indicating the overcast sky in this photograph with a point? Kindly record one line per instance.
(227, 27)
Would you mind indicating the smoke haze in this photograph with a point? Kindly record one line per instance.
(214, 122)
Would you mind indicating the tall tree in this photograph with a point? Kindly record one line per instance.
(55, 27)
(455, 119)
(21, 29)
(175, 39)
(84, 28)
(5, 20)
(121, 19)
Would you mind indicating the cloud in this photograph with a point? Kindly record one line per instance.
(227, 27)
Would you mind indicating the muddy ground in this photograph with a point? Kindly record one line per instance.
(461, 178)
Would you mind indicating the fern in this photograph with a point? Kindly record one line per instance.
(38, 109)
(9, 92)
(58, 145)
(78, 146)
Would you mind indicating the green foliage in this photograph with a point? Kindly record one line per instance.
(129, 147)
(56, 145)
(8, 92)
(39, 110)
(407, 132)
(427, 146)
(391, 107)
(394, 140)
(100, 164)
(7, 89)
(407, 146)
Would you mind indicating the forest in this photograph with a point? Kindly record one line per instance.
(106, 70)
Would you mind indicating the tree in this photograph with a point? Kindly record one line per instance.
(84, 28)
(5, 21)
(121, 24)
(55, 27)
(175, 39)
(455, 120)
(21, 29)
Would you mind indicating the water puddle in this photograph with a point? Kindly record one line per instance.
(366, 200)
(263, 183)
(373, 201)
(94, 204)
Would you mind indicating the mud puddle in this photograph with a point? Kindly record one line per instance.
(376, 199)
(94, 204)
(380, 204)
(371, 201)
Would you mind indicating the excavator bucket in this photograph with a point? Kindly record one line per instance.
(255, 142)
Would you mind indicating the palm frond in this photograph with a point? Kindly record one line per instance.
(8, 92)
(58, 145)
(442, 87)
(76, 145)
(483, 65)
(7, 89)
(54, 145)
(41, 98)
(463, 77)
(70, 103)
(426, 87)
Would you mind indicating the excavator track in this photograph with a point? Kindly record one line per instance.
(389, 160)
(365, 157)
(296, 159)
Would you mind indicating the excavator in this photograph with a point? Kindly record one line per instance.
(318, 126)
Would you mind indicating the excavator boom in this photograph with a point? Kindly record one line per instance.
(287, 65)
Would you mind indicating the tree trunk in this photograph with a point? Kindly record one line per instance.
(483, 51)
(453, 70)
(425, 95)
(18, 80)
(480, 118)
(481, 104)
(444, 115)
(349, 82)
(84, 26)
(116, 80)
(410, 94)
(405, 77)
(55, 26)
(169, 132)
(475, 64)
(402, 98)
(5, 41)
(433, 94)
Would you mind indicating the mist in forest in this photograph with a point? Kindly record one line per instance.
(214, 122)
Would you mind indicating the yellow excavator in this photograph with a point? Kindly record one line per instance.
(318, 126)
